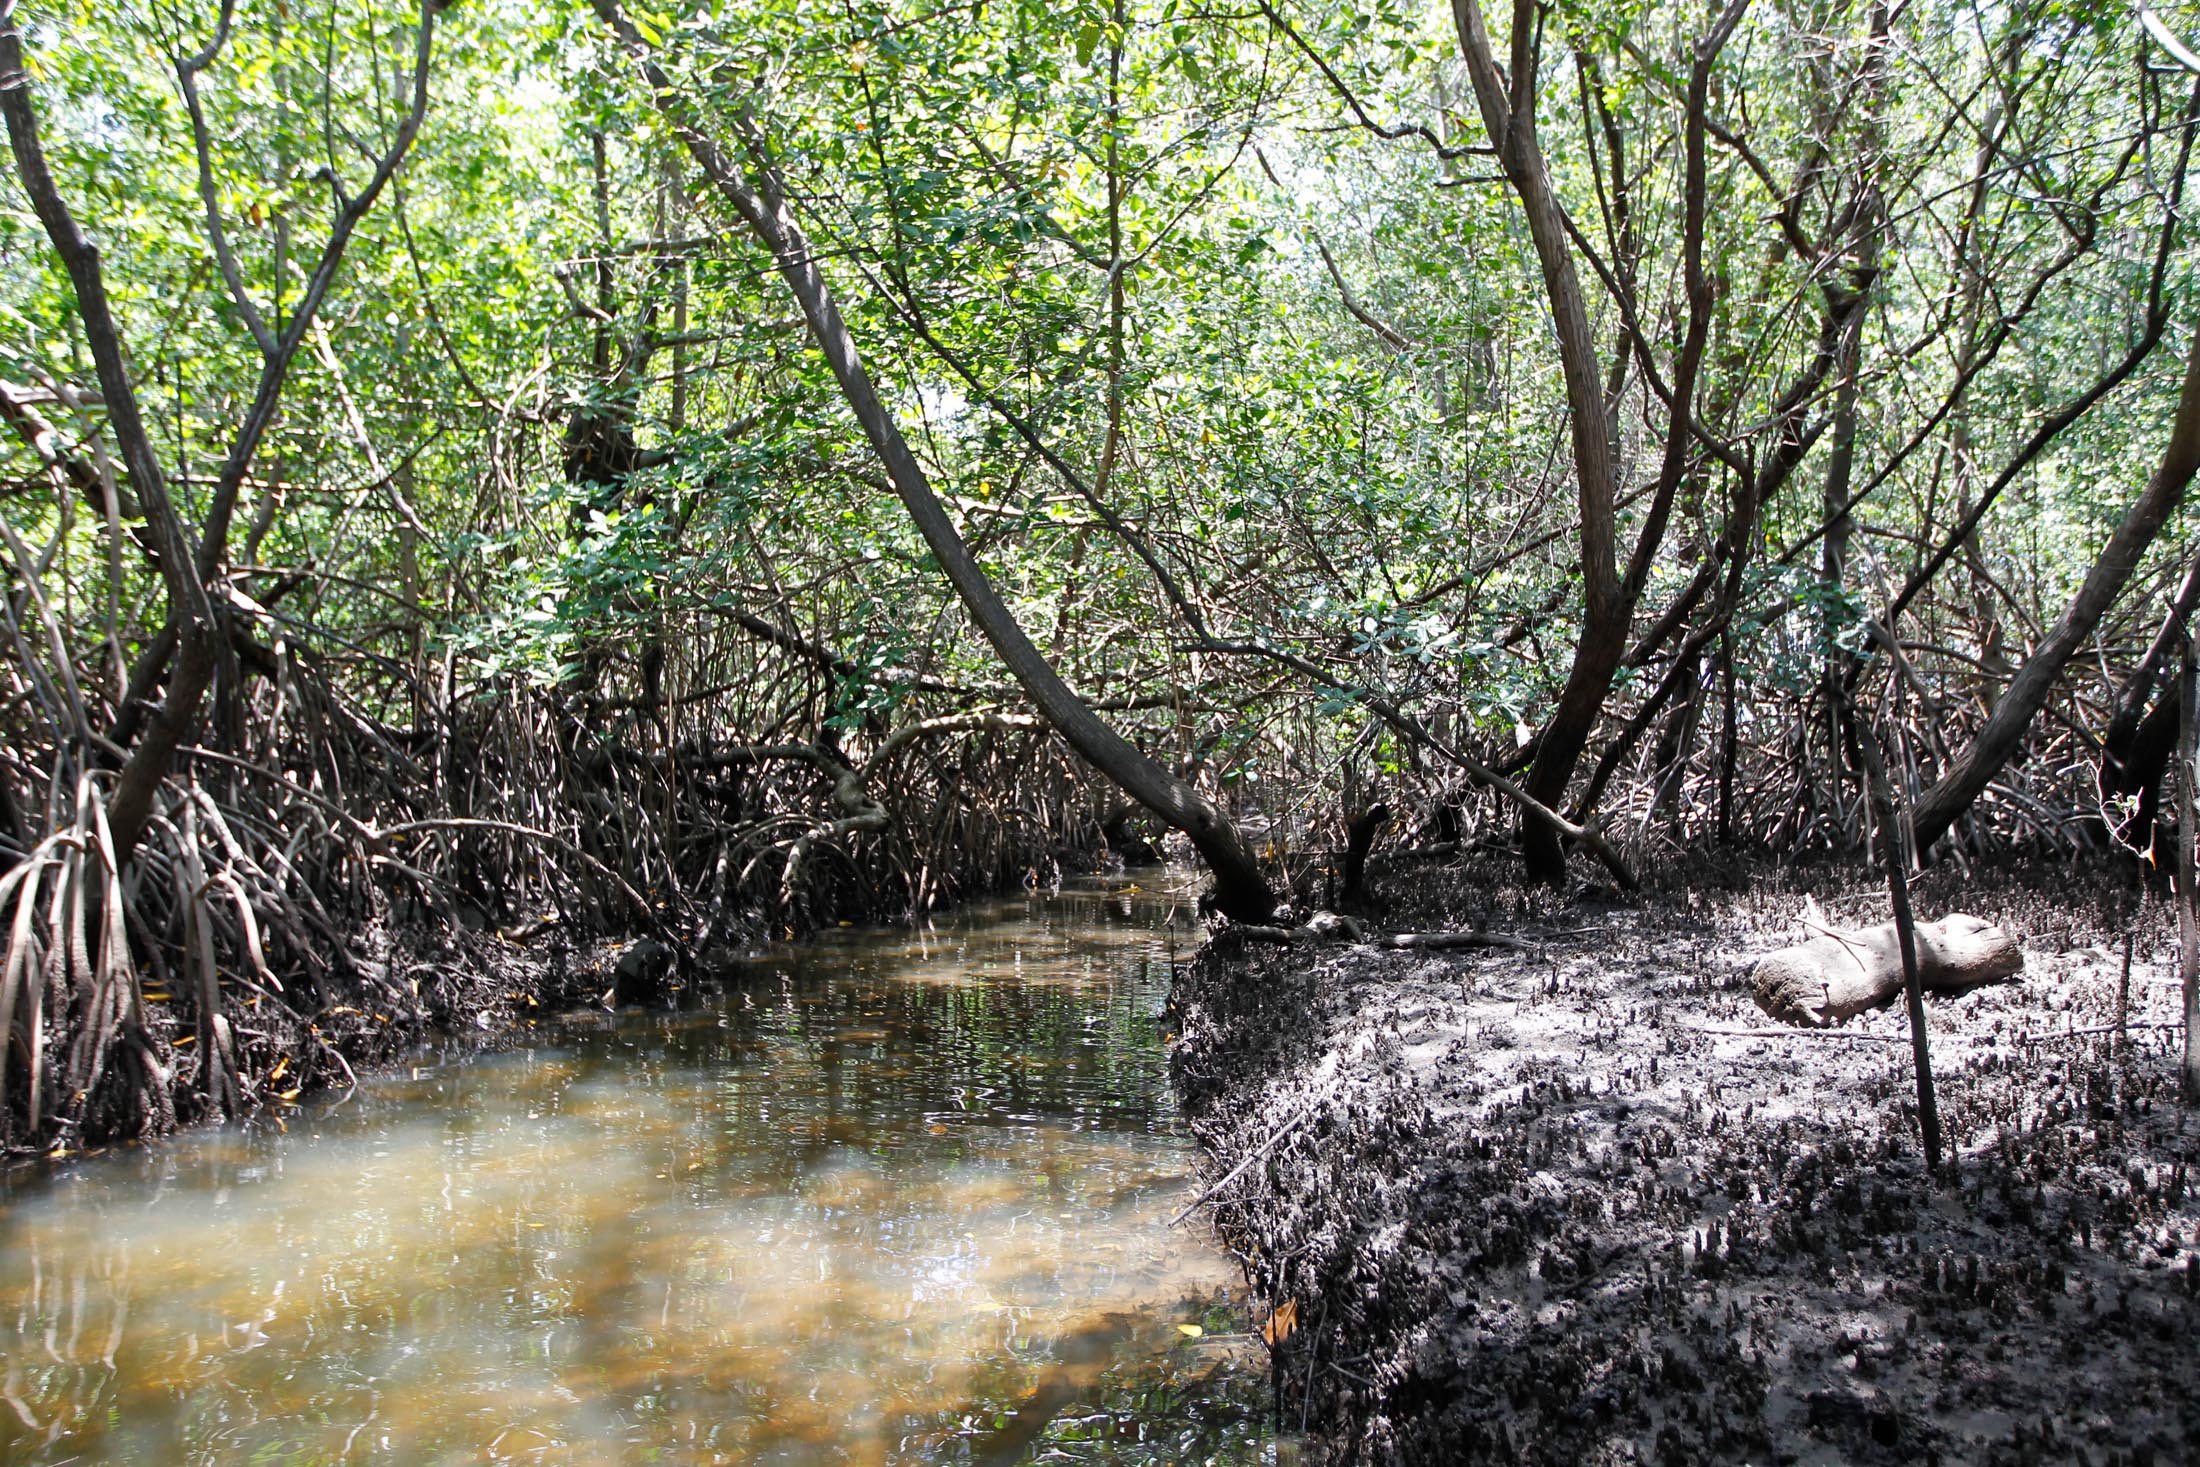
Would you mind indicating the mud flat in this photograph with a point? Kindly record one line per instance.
(1582, 1201)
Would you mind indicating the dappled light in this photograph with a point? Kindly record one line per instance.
(1633, 564)
(866, 1204)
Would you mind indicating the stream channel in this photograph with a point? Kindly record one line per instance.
(891, 1196)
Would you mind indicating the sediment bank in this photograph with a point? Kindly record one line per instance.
(1583, 1202)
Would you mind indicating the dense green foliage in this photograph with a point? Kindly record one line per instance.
(1223, 336)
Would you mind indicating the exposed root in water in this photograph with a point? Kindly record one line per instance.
(274, 930)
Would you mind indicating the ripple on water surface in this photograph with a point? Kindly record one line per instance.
(895, 1197)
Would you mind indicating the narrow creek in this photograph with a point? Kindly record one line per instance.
(891, 1197)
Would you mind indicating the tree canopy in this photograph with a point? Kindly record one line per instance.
(433, 492)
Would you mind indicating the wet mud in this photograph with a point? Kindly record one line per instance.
(1584, 1202)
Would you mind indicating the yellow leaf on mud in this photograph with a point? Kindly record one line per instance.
(1190, 1331)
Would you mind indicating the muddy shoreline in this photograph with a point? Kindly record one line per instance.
(1585, 1203)
(449, 982)
(444, 992)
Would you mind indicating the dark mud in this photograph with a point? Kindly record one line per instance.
(1536, 1206)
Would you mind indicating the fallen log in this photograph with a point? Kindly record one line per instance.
(1439, 940)
(1840, 974)
(1330, 927)
(1321, 927)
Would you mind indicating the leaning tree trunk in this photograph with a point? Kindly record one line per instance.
(1241, 889)
(2188, 900)
(1998, 741)
(1507, 105)
(1511, 126)
(191, 570)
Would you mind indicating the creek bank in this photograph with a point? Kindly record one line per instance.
(479, 986)
(1586, 1203)
(414, 976)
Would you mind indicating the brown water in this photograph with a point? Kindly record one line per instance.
(893, 1198)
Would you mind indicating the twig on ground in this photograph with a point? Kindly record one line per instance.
(1849, 1034)
(2093, 1030)
(1249, 1158)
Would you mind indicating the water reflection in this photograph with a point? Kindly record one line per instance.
(895, 1198)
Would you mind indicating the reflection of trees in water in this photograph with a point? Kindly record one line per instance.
(59, 1344)
(899, 1196)
(1131, 1382)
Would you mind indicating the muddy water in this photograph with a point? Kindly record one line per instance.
(896, 1198)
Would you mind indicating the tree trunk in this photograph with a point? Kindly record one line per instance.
(1729, 738)
(1510, 122)
(1359, 840)
(2135, 758)
(1895, 856)
(191, 610)
(2141, 739)
(190, 571)
(1241, 889)
(2188, 900)
(1968, 776)
(1507, 105)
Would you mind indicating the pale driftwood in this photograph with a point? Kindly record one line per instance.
(1840, 974)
